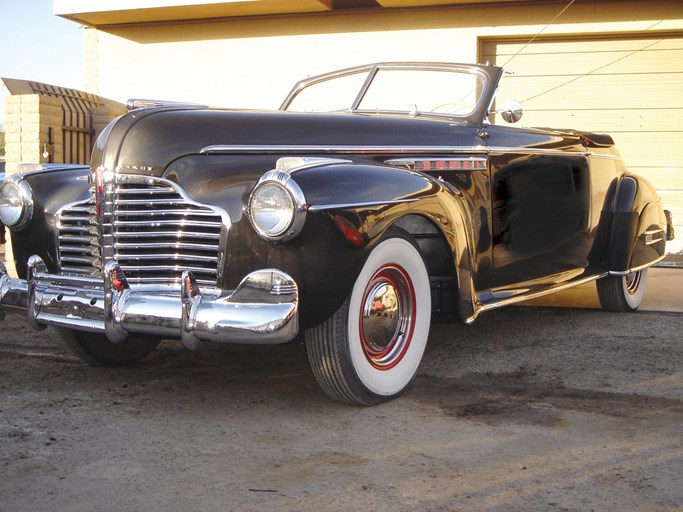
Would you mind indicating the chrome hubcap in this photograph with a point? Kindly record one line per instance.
(387, 317)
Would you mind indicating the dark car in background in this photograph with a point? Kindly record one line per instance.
(376, 200)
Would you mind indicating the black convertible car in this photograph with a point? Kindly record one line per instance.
(376, 200)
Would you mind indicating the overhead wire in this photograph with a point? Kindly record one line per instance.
(539, 33)
(599, 68)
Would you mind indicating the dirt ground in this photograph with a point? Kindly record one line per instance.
(530, 409)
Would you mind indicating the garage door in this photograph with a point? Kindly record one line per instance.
(629, 87)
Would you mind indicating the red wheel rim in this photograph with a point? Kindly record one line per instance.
(387, 317)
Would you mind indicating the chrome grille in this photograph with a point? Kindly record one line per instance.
(154, 231)
(158, 232)
(79, 248)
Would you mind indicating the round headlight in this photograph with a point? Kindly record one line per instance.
(272, 210)
(16, 203)
(277, 208)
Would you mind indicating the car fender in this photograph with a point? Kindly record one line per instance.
(638, 228)
(52, 187)
(361, 202)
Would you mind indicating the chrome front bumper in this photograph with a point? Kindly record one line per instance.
(263, 309)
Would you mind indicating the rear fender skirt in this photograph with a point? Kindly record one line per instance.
(638, 227)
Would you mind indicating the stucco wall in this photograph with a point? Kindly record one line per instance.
(252, 62)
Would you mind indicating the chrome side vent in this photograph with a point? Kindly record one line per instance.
(78, 240)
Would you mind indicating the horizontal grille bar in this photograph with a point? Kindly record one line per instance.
(80, 260)
(156, 211)
(156, 235)
(170, 245)
(158, 190)
(87, 240)
(70, 251)
(160, 280)
(193, 258)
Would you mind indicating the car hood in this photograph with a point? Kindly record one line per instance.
(148, 141)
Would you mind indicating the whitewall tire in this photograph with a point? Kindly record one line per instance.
(369, 351)
(622, 294)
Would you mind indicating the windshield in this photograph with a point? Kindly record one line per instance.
(441, 90)
(336, 94)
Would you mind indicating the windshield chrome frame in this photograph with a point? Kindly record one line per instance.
(490, 76)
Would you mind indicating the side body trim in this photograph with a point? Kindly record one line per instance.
(377, 204)
(224, 149)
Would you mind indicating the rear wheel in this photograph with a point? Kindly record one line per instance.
(97, 350)
(368, 352)
(622, 294)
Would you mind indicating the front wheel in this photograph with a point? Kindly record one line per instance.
(97, 350)
(369, 350)
(622, 294)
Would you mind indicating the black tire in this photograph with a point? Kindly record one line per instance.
(96, 350)
(368, 352)
(622, 294)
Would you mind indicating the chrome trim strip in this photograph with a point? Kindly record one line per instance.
(140, 104)
(324, 149)
(524, 296)
(290, 164)
(393, 150)
(602, 156)
(369, 204)
(542, 151)
(636, 269)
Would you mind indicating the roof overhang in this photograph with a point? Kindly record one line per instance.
(124, 12)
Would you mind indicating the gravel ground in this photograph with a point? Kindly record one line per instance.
(530, 409)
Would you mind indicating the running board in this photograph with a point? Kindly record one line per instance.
(492, 299)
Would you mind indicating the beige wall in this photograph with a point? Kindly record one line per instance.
(253, 62)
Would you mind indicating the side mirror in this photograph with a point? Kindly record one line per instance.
(511, 112)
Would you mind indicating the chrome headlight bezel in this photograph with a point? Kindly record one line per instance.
(289, 208)
(16, 203)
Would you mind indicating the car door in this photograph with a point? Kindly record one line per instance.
(540, 206)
